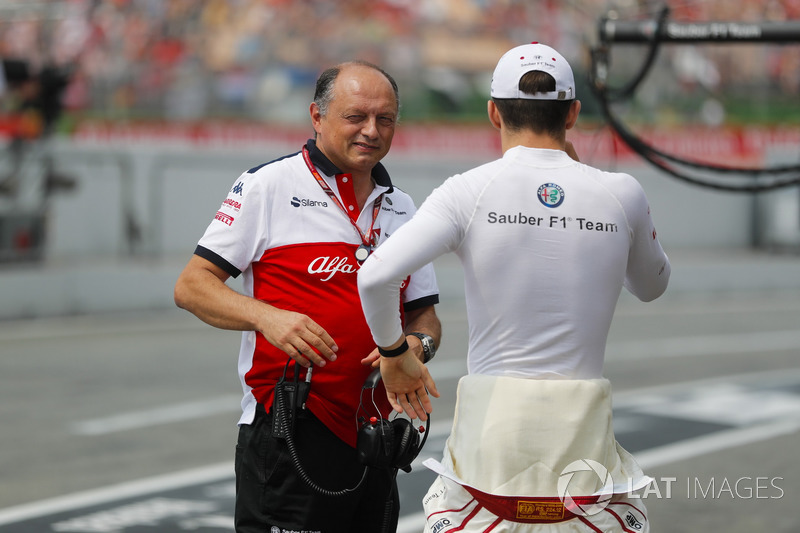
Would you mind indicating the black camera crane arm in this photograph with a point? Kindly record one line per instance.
(660, 30)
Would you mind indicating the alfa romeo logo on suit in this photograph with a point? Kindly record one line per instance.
(551, 195)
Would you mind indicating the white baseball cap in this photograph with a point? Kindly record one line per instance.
(526, 58)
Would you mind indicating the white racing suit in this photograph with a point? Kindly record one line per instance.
(528, 455)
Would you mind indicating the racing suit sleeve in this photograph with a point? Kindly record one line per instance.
(429, 234)
(648, 270)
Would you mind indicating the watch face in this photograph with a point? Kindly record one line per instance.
(428, 348)
(428, 343)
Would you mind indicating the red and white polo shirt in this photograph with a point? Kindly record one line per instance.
(296, 249)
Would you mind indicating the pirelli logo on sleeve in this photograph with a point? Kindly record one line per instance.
(224, 218)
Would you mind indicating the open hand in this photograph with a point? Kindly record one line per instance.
(409, 385)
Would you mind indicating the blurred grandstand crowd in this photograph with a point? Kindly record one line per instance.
(258, 59)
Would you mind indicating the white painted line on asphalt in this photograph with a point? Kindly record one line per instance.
(752, 303)
(158, 416)
(77, 327)
(730, 343)
(203, 408)
(688, 346)
(714, 442)
(728, 404)
(131, 489)
(767, 378)
(692, 346)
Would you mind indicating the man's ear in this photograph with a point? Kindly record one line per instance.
(574, 111)
(494, 114)
(316, 117)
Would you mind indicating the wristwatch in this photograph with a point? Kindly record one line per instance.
(428, 345)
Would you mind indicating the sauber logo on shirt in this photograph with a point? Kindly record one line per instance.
(223, 217)
(305, 202)
(331, 265)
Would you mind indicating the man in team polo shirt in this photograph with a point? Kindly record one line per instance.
(547, 244)
(298, 229)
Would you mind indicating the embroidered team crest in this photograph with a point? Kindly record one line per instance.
(551, 195)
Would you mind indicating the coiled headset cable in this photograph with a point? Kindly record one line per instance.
(285, 424)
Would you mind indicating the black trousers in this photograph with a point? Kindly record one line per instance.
(270, 493)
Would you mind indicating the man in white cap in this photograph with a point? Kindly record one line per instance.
(546, 244)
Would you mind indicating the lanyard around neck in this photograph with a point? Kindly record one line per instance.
(369, 239)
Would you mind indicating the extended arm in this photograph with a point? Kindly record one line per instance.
(416, 243)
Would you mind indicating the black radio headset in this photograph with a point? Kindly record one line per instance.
(386, 443)
(382, 443)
